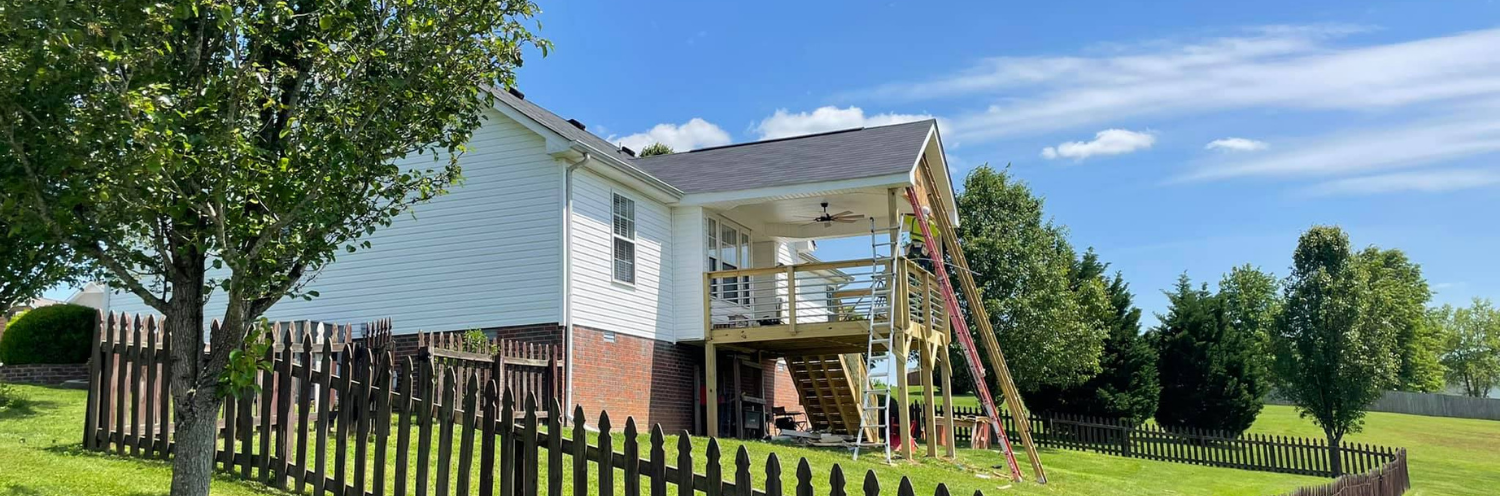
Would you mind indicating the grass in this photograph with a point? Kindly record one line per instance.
(39, 454)
(1446, 456)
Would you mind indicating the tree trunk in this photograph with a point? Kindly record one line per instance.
(1335, 455)
(193, 455)
(195, 401)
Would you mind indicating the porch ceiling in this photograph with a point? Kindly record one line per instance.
(792, 218)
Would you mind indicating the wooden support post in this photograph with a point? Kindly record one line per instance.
(711, 378)
(710, 365)
(791, 297)
(903, 401)
(948, 414)
(738, 413)
(929, 400)
(929, 362)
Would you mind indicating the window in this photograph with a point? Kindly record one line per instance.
(727, 247)
(624, 221)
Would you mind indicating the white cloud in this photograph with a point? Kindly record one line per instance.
(695, 133)
(1418, 182)
(1236, 145)
(1457, 134)
(1292, 68)
(783, 124)
(1106, 142)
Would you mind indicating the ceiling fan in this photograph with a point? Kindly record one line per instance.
(828, 219)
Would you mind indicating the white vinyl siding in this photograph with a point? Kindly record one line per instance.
(687, 268)
(599, 300)
(484, 255)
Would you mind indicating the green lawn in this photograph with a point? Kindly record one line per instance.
(39, 455)
(1445, 456)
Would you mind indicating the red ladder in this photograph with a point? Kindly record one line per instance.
(965, 340)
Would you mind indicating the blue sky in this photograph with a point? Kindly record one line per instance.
(1383, 118)
(1184, 136)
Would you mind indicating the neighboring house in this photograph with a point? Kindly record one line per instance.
(91, 295)
(557, 235)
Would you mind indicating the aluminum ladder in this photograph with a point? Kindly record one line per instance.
(875, 390)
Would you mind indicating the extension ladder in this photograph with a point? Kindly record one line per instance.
(875, 393)
(966, 341)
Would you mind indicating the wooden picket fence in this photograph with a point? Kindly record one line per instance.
(359, 423)
(1250, 451)
(523, 367)
(1390, 479)
(129, 370)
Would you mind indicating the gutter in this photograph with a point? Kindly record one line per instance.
(567, 275)
(626, 167)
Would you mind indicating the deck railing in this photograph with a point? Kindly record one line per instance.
(822, 292)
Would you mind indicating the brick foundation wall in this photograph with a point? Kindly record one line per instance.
(783, 391)
(403, 345)
(647, 379)
(650, 380)
(43, 373)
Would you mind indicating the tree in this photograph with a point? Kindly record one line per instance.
(30, 264)
(656, 149)
(1023, 265)
(1396, 295)
(1213, 375)
(1126, 386)
(1471, 345)
(1252, 299)
(159, 140)
(1331, 361)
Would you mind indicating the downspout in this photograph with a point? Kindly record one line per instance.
(567, 273)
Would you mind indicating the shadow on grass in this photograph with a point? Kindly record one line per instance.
(19, 408)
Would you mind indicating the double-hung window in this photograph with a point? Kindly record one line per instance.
(624, 239)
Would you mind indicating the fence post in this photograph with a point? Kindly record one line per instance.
(91, 412)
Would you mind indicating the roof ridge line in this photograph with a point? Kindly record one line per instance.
(774, 140)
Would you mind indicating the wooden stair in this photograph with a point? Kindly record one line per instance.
(829, 392)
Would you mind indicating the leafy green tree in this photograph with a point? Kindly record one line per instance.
(1213, 376)
(1048, 326)
(30, 264)
(1471, 345)
(1252, 299)
(1126, 386)
(1396, 295)
(1331, 361)
(161, 139)
(656, 149)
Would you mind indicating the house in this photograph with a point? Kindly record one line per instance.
(659, 274)
(94, 295)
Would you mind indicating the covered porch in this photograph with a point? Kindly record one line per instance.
(847, 325)
(842, 326)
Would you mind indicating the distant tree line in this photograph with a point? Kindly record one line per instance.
(1341, 328)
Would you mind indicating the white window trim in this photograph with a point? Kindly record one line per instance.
(633, 240)
(712, 251)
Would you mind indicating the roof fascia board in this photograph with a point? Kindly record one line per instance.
(948, 195)
(625, 172)
(733, 198)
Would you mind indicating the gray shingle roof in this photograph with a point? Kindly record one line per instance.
(848, 154)
(558, 124)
